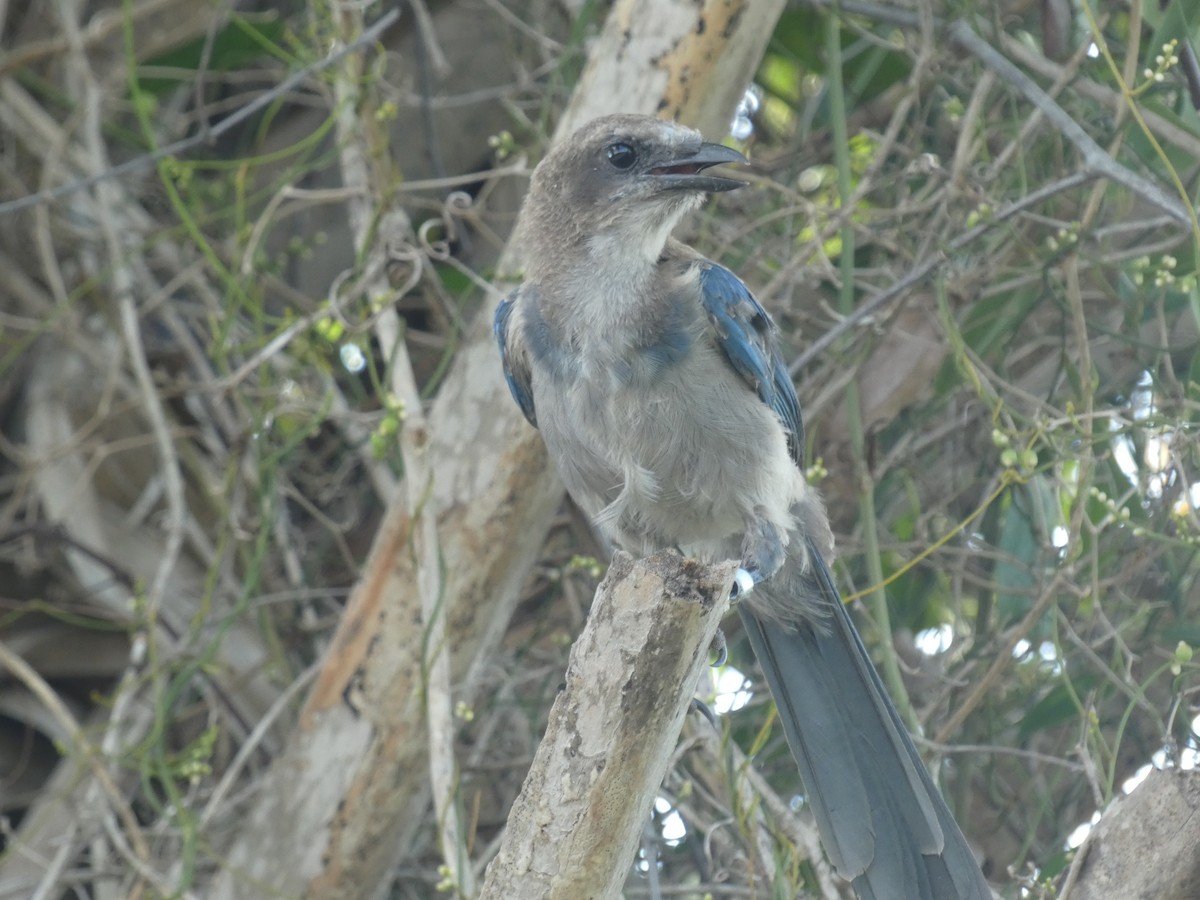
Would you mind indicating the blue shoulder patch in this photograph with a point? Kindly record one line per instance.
(748, 338)
(516, 371)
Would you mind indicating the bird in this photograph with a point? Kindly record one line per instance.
(657, 382)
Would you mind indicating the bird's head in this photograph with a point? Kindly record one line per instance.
(624, 178)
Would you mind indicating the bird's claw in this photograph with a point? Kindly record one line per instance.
(701, 707)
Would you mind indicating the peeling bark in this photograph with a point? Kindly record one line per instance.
(574, 828)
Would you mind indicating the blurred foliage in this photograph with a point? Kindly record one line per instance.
(1056, 484)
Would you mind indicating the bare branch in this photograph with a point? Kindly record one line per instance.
(1145, 845)
(180, 147)
(573, 830)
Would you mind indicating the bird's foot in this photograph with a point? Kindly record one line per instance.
(764, 547)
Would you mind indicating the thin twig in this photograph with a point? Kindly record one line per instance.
(371, 228)
(75, 740)
(252, 743)
(998, 750)
(1096, 160)
(1094, 157)
(123, 287)
(1002, 659)
(180, 147)
(931, 263)
(101, 26)
(1097, 163)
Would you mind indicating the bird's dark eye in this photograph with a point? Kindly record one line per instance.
(621, 155)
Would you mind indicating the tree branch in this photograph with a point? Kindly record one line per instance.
(205, 136)
(1146, 844)
(574, 828)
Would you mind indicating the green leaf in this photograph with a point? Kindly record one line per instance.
(1056, 708)
(1183, 631)
(1014, 576)
(797, 52)
(994, 322)
(1178, 20)
(235, 46)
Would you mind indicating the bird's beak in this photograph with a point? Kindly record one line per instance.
(686, 172)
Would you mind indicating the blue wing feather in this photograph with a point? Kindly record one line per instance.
(748, 338)
(516, 371)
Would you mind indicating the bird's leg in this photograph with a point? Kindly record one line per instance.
(763, 552)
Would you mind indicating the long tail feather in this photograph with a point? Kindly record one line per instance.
(882, 821)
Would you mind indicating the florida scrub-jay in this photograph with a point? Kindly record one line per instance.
(656, 380)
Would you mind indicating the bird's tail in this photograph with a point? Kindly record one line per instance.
(882, 821)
